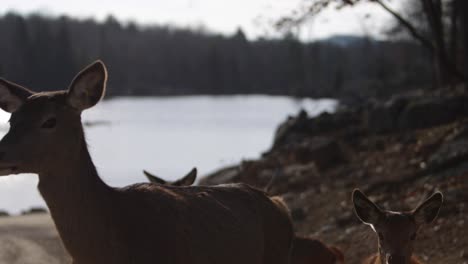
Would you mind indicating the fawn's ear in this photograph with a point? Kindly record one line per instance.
(12, 95)
(367, 211)
(88, 86)
(188, 179)
(429, 209)
(153, 178)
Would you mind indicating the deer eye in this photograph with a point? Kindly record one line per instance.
(49, 123)
(380, 236)
(413, 236)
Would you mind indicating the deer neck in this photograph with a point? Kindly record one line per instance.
(72, 188)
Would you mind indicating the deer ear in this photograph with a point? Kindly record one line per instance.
(88, 87)
(153, 178)
(12, 95)
(365, 209)
(188, 179)
(429, 209)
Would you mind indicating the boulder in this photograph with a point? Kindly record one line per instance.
(432, 111)
(294, 129)
(449, 155)
(291, 128)
(409, 112)
(226, 175)
(382, 117)
(324, 152)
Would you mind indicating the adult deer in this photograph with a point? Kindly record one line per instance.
(187, 180)
(142, 223)
(304, 250)
(396, 231)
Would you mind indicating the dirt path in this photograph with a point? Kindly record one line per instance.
(30, 239)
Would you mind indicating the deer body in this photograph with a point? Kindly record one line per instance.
(308, 251)
(141, 223)
(194, 225)
(304, 250)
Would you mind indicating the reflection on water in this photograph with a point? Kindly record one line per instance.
(168, 136)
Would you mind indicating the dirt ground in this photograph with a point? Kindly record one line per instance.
(394, 175)
(397, 170)
(30, 239)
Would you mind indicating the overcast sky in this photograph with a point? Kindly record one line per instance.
(223, 16)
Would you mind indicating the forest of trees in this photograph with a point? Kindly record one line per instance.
(44, 53)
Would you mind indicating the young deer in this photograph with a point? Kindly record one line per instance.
(396, 231)
(187, 180)
(142, 223)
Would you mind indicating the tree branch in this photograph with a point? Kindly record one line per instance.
(412, 30)
(424, 41)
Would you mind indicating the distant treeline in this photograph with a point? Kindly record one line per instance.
(44, 53)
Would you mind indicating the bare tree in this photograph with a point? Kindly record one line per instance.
(446, 67)
(463, 4)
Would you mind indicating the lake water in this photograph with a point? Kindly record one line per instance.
(168, 136)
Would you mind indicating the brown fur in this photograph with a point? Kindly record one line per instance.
(142, 223)
(338, 253)
(304, 250)
(309, 251)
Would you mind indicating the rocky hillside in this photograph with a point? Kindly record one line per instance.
(397, 151)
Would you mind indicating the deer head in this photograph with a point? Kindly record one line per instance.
(396, 231)
(45, 128)
(187, 180)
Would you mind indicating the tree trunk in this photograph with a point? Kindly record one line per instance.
(464, 25)
(454, 39)
(446, 69)
(433, 10)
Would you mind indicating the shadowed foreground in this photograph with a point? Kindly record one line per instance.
(30, 239)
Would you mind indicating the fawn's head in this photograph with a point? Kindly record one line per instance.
(45, 127)
(396, 231)
(187, 180)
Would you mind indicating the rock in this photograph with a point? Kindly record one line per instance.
(295, 178)
(288, 128)
(383, 116)
(298, 214)
(346, 219)
(408, 112)
(448, 155)
(323, 151)
(226, 175)
(296, 128)
(299, 176)
(432, 111)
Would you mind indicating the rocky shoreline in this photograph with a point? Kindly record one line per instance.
(398, 151)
